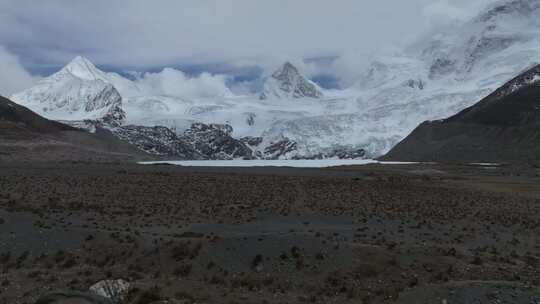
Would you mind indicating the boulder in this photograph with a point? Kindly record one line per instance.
(115, 290)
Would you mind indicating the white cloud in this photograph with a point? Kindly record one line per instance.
(262, 34)
(445, 10)
(173, 82)
(13, 77)
(135, 33)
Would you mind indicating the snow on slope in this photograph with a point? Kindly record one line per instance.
(78, 91)
(439, 75)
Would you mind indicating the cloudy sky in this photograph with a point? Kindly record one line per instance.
(241, 37)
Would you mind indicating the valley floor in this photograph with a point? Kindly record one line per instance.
(358, 234)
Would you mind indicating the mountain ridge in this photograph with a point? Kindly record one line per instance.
(503, 127)
(26, 136)
(23, 120)
(439, 75)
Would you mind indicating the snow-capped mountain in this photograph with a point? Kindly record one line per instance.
(439, 75)
(76, 92)
(287, 82)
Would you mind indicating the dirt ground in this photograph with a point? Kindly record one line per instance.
(369, 234)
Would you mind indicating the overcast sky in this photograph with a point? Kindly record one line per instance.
(141, 34)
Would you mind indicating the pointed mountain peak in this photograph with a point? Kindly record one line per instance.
(288, 65)
(83, 68)
(287, 69)
(287, 82)
(81, 60)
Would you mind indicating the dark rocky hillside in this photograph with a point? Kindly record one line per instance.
(503, 127)
(26, 136)
(18, 121)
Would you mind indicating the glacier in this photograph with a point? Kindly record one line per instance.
(438, 75)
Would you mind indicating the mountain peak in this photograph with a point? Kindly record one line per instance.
(286, 69)
(80, 60)
(83, 68)
(287, 82)
(78, 91)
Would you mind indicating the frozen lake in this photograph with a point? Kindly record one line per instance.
(318, 163)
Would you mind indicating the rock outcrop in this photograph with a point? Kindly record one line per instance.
(159, 141)
(280, 149)
(215, 141)
(115, 290)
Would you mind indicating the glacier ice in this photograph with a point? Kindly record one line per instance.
(438, 75)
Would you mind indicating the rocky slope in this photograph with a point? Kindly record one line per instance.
(158, 141)
(199, 142)
(17, 121)
(503, 127)
(26, 136)
(215, 142)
